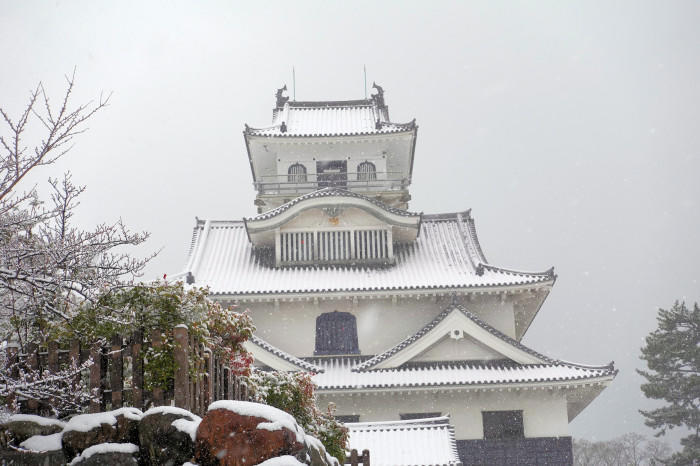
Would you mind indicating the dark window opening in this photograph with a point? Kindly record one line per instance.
(332, 173)
(296, 173)
(366, 171)
(347, 418)
(409, 416)
(503, 425)
(336, 333)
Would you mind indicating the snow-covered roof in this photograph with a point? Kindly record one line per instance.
(299, 363)
(406, 443)
(446, 255)
(330, 118)
(338, 374)
(480, 324)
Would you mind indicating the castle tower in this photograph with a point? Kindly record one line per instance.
(407, 327)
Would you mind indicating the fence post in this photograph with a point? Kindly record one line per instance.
(156, 343)
(182, 379)
(353, 457)
(96, 378)
(12, 363)
(137, 369)
(208, 389)
(33, 360)
(52, 356)
(117, 372)
(244, 392)
(13, 359)
(365, 457)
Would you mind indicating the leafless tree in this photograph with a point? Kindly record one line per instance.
(630, 449)
(47, 265)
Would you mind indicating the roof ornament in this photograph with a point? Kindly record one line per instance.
(379, 96)
(281, 100)
(283, 127)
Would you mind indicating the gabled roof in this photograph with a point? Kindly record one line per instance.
(330, 192)
(277, 359)
(446, 255)
(455, 317)
(406, 443)
(330, 118)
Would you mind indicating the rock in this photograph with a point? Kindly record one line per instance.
(317, 455)
(86, 430)
(20, 427)
(240, 433)
(113, 454)
(31, 458)
(166, 435)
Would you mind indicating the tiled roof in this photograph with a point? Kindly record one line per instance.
(331, 192)
(304, 365)
(339, 375)
(339, 118)
(406, 443)
(445, 255)
(440, 317)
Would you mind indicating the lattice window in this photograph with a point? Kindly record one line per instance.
(336, 333)
(502, 425)
(366, 171)
(334, 246)
(296, 173)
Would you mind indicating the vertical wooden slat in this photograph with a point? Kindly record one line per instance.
(52, 356)
(208, 389)
(116, 374)
(157, 342)
(237, 388)
(229, 384)
(137, 369)
(244, 391)
(353, 457)
(13, 359)
(182, 379)
(96, 378)
(33, 363)
(365, 457)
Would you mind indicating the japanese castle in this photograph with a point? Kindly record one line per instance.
(409, 330)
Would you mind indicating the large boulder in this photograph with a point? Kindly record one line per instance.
(113, 454)
(240, 433)
(166, 436)
(86, 430)
(20, 427)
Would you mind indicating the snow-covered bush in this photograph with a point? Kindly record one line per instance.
(293, 392)
(162, 306)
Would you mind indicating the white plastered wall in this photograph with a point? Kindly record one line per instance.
(544, 411)
(381, 324)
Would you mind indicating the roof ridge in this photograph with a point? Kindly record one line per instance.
(286, 356)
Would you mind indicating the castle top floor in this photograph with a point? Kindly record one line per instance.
(350, 144)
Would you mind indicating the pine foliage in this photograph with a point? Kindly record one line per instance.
(672, 354)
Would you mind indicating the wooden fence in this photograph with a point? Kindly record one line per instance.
(192, 390)
(355, 459)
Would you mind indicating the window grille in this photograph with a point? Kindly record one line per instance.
(503, 425)
(336, 333)
(296, 173)
(334, 246)
(366, 171)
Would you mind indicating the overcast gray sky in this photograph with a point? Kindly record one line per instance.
(570, 128)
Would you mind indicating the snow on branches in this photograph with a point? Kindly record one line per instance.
(46, 264)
